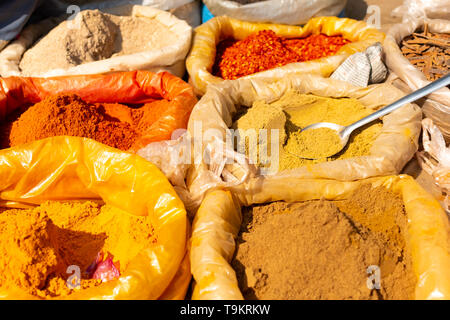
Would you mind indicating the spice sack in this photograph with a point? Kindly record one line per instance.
(382, 148)
(92, 106)
(135, 38)
(409, 78)
(233, 251)
(208, 36)
(90, 198)
(275, 11)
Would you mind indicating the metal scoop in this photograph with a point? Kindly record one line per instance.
(345, 132)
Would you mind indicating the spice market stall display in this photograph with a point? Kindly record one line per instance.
(139, 38)
(417, 52)
(321, 239)
(81, 220)
(275, 11)
(125, 110)
(224, 119)
(226, 48)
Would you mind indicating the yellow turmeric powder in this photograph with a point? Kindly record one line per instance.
(38, 245)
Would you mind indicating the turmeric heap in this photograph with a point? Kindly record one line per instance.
(113, 124)
(302, 110)
(38, 245)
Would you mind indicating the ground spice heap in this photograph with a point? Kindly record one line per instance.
(302, 110)
(38, 245)
(94, 36)
(327, 143)
(265, 50)
(430, 52)
(322, 249)
(113, 124)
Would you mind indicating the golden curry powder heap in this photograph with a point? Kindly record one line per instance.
(328, 144)
(38, 245)
(302, 110)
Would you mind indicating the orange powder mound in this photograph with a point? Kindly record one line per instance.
(38, 245)
(69, 115)
(113, 124)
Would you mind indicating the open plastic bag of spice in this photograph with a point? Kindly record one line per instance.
(135, 87)
(169, 58)
(408, 77)
(78, 169)
(435, 159)
(393, 146)
(275, 11)
(201, 59)
(217, 223)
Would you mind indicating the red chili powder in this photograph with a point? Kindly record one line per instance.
(265, 50)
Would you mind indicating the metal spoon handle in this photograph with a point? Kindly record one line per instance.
(433, 86)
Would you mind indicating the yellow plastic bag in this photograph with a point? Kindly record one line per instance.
(73, 168)
(219, 218)
(212, 117)
(201, 58)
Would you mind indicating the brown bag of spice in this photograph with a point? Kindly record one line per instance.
(409, 78)
(80, 169)
(219, 219)
(202, 56)
(217, 165)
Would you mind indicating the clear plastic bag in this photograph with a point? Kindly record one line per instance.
(434, 9)
(435, 159)
(407, 77)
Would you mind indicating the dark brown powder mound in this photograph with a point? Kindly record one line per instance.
(322, 249)
(69, 115)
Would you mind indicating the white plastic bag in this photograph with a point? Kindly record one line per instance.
(188, 10)
(435, 159)
(276, 11)
(170, 58)
(435, 9)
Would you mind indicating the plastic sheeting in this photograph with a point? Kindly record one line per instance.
(392, 149)
(73, 168)
(170, 58)
(276, 11)
(201, 58)
(218, 220)
(437, 105)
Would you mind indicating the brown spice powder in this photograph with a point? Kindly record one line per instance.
(322, 249)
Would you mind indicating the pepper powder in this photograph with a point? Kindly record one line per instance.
(265, 50)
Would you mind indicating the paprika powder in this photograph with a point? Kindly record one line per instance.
(113, 124)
